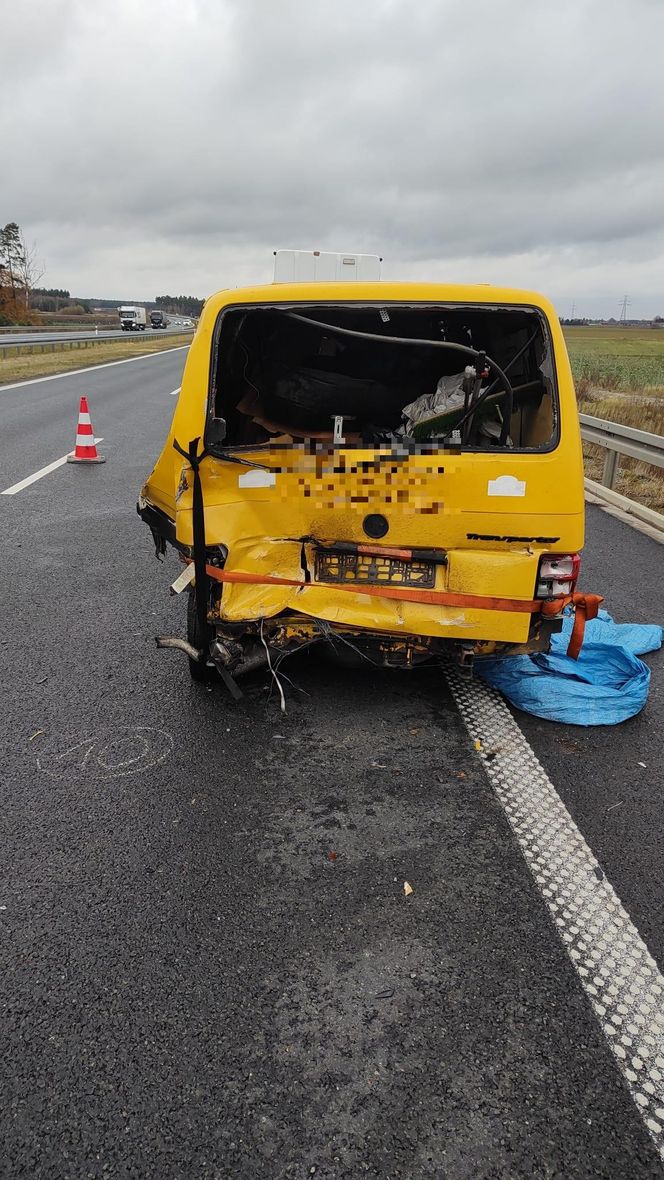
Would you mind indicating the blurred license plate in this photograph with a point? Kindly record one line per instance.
(371, 569)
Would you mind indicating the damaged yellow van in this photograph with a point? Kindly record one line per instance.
(389, 468)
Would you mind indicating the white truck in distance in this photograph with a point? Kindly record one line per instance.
(132, 318)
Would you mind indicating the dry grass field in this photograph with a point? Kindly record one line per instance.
(619, 375)
(24, 366)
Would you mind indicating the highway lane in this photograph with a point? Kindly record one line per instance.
(191, 986)
(39, 419)
(45, 337)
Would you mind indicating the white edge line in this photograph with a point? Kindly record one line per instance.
(25, 483)
(147, 356)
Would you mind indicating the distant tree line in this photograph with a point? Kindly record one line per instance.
(180, 304)
(57, 299)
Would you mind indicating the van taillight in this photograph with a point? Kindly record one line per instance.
(557, 574)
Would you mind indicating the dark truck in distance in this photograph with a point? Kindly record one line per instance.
(158, 319)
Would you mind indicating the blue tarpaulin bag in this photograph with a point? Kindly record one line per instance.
(606, 684)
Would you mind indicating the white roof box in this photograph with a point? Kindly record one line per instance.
(316, 266)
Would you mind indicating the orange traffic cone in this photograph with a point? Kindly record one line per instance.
(86, 448)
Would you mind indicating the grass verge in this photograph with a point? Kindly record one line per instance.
(619, 376)
(22, 368)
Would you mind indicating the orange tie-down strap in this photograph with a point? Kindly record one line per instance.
(586, 605)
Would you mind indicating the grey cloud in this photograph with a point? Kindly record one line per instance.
(438, 133)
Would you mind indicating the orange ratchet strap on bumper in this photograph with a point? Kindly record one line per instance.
(586, 605)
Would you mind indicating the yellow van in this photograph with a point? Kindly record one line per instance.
(393, 469)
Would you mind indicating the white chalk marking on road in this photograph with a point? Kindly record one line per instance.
(146, 356)
(613, 964)
(174, 391)
(113, 753)
(25, 483)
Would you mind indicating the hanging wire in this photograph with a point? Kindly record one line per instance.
(274, 674)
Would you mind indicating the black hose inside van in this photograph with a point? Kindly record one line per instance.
(473, 353)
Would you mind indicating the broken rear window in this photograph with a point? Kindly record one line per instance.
(475, 377)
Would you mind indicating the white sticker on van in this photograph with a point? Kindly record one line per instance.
(506, 485)
(256, 477)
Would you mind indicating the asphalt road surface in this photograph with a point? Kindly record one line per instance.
(192, 983)
(19, 337)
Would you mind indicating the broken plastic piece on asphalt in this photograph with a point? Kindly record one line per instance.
(386, 994)
(641, 764)
(31, 739)
(478, 744)
(331, 856)
(408, 889)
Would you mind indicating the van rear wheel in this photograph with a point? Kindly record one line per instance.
(201, 673)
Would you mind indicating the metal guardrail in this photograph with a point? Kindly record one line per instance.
(31, 348)
(39, 329)
(620, 440)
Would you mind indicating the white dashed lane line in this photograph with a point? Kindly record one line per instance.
(25, 483)
(614, 966)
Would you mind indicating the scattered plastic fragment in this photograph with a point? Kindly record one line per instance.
(460, 774)
(413, 731)
(614, 805)
(598, 873)
(478, 744)
(408, 889)
(386, 994)
(641, 764)
(331, 856)
(31, 739)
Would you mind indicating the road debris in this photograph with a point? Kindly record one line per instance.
(31, 739)
(614, 805)
(478, 744)
(386, 994)
(331, 856)
(408, 889)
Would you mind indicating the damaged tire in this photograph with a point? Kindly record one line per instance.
(201, 673)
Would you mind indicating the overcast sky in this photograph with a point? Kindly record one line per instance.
(171, 146)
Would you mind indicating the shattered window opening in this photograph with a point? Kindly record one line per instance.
(282, 374)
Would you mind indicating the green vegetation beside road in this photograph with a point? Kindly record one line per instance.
(619, 376)
(23, 367)
(609, 357)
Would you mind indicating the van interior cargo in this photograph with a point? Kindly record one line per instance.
(415, 376)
